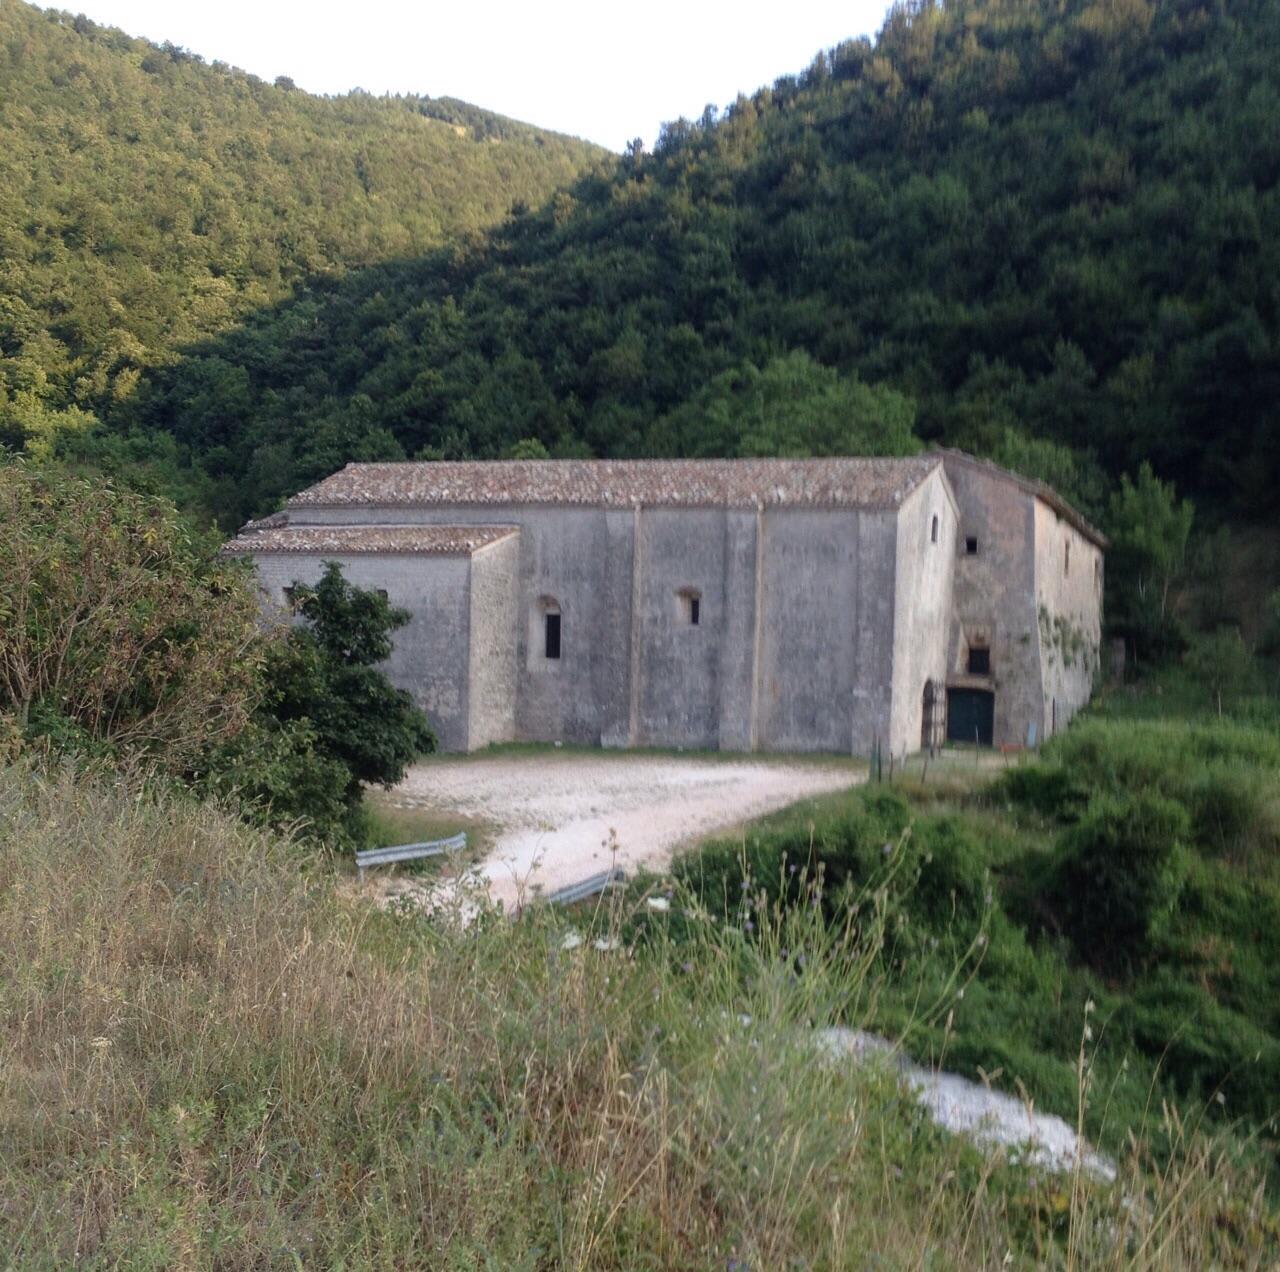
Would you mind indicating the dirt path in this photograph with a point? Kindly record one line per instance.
(562, 817)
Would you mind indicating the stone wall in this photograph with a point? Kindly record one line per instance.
(429, 657)
(794, 649)
(492, 657)
(812, 595)
(682, 558)
(994, 596)
(924, 570)
(739, 670)
(1068, 594)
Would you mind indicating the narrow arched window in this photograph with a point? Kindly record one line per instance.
(933, 531)
(1066, 558)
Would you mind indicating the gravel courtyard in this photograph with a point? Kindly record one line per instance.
(558, 813)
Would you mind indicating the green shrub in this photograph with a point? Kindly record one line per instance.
(927, 876)
(1228, 809)
(838, 856)
(1048, 789)
(1223, 773)
(1116, 877)
(1207, 1052)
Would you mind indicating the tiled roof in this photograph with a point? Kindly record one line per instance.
(737, 483)
(274, 534)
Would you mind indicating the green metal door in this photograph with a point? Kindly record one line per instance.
(971, 715)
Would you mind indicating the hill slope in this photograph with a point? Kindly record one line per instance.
(1052, 227)
(148, 200)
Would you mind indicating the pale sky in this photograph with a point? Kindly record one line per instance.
(608, 72)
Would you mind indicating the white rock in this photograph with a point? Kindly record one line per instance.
(990, 1118)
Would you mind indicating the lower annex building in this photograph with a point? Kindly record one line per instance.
(741, 605)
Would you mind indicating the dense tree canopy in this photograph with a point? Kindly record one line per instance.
(1051, 227)
(148, 200)
(1042, 231)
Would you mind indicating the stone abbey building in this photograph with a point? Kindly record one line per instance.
(744, 605)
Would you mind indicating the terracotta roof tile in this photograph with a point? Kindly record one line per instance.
(842, 482)
(274, 534)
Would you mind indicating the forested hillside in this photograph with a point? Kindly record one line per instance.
(148, 200)
(1046, 232)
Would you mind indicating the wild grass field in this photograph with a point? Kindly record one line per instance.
(214, 1058)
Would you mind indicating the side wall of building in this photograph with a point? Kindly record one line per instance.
(820, 581)
(1068, 592)
(924, 569)
(633, 671)
(429, 657)
(994, 597)
(682, 560)
(739, 669)
(872, 628)
(492, 659)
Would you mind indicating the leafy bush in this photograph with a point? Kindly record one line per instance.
(1116, 877)
(927, 878)
(1225, 774)
(840, 855)
(330, 721)
(1208, 1052)
(119, 630)
(1051, 790)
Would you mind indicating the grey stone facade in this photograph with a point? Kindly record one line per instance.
(781, 605)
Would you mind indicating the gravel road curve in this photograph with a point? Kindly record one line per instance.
(564, 816)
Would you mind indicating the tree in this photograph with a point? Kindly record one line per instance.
(1222, 663)
(526, 448)
(330, 722)
(795, 407)
(119, 629)
(1149, 528)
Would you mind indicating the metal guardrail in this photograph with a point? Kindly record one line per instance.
(408, 852)
(586, 888)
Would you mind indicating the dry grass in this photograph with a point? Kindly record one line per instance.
(212, 1059)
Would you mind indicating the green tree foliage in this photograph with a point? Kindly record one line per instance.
(1149, 529)
(793, 406)
(330, 722)
(148, 200)
(119, 631)
(1223, 664)
(1049, 226)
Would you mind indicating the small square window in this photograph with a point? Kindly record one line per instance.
(971, 546)
(551, 627)
(979, 660)
(382, 592)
